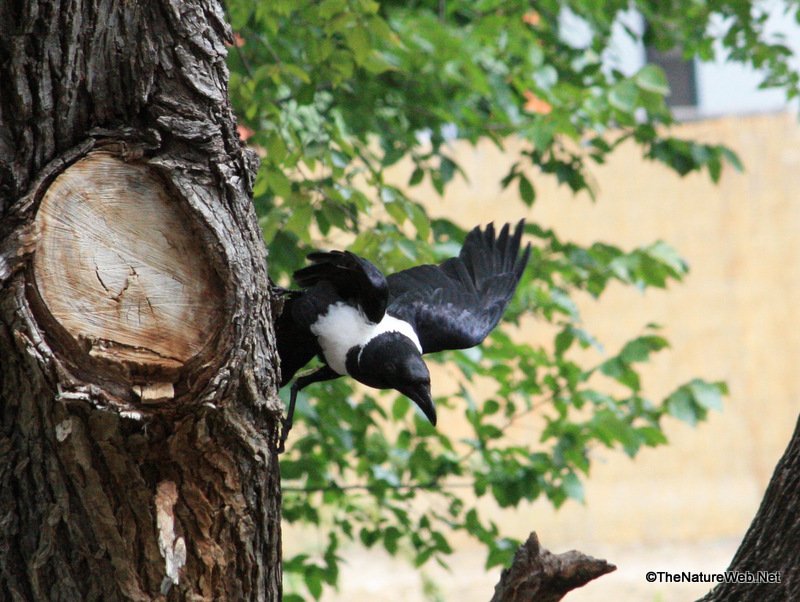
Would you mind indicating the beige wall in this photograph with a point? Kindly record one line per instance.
(734, 318)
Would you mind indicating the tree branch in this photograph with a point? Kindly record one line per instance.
(539, 575)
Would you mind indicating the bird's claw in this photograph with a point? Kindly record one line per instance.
(286, 426)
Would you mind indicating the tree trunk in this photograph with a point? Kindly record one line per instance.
(138, 407)
(766, 566)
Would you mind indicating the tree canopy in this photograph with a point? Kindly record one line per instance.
(333, 93)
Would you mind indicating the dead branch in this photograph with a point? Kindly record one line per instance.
(539, 575)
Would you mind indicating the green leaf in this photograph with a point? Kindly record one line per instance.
(400, 407)
(278, 182)
(391, 539)
(573, 487)
(314, 582)
(732, 158)
(621, 372)
(375, 62)
(652, 436)
(447, 169)
(526, 190)
(668, 256)
(300, 220)
(491, 407)
(416, 176)
(329, 8)
(639, 349)
(708, 395)
(652, 79)
(369, 537)
(681, 405)
(501, 554)
(623, 96)
(271, 223)
(564, 340)
(359, 42)
(421, 221)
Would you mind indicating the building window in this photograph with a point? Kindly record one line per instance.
(681, 77)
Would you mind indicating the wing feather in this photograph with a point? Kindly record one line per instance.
(355, 279)
(456, 304)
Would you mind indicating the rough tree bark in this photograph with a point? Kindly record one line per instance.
(772, 542)
(138, 412)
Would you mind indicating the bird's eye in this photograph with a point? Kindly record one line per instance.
(391, 367)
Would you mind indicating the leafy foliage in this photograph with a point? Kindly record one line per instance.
(335, 92)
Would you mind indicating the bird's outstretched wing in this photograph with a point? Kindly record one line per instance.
(456, 304)
(354, 278)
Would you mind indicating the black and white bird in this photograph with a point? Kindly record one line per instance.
(376, 328)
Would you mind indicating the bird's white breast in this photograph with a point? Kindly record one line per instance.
(344, 327)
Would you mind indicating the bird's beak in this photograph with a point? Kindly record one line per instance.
(421, 395)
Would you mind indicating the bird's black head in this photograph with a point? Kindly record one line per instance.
(392, 361)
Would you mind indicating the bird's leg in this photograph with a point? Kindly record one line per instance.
(321, 374)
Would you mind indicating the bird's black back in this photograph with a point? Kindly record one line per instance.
(354, 278)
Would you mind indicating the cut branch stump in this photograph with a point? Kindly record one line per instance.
(538, 575)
